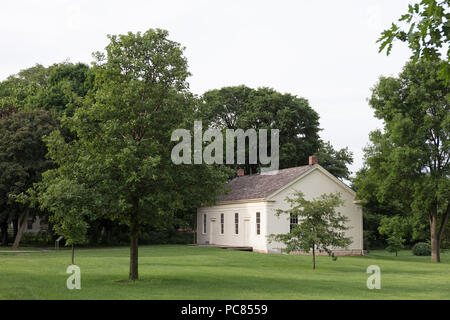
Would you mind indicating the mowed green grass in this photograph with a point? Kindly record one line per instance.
(186, 272)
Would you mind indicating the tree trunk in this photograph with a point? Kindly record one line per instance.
(21, 230)
(435, 252)
(73, 254)
(133, 247)
(15, 223)
(437, 231)
(109, 233)
(4, 231)
(314, 258)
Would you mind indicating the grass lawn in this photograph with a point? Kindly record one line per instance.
(185, 272)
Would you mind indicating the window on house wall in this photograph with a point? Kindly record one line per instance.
(236, 223)
(30, 224)
(204, 223)
(222, 222)
(293, 222)
(258, 223)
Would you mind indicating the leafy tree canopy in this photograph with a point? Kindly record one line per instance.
(335, 161)
(59, 87)
(426, 29)
(245, 108)
(407, 164)
(395, 244)
(120, 163)
(22, 158)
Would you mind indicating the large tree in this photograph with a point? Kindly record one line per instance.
(59, 87)
(245, 108)
(407, 163)
(335, 161)
(390, 213)
(22, 161)
(264, 108)
(121, 157)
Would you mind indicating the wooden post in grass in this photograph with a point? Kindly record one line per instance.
(314, 258)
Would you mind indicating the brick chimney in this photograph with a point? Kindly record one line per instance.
(313, 160)
(240, 172)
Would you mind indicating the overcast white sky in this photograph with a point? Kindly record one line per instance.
(324, 51)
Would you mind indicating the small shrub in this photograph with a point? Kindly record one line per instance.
(421, 249)
(395, 244)
(166, 237)
(41, 238)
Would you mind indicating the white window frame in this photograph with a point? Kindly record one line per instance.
(258, 223)
(291, 223)
(204, 223)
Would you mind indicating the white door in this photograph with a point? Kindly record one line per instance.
(211, 230)
(246, 232)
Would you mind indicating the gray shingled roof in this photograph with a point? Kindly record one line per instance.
(258, 186)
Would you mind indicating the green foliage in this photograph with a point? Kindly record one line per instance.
(403, 226)
(22, 151)
(319, 227)
(426, 29)
(42, 238)
(119, 167)
(60, 87)
(104, 232)
(445, 243)
(372, 237)
(395, 244)
(369, 238)
(168, 236)
(22, 157)
(421, 249)
(407, 164)
(335, 161)
(69, 204)
(245, 108)
(264, 108)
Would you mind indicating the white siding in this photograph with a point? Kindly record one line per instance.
(247, 215)
(314, 184)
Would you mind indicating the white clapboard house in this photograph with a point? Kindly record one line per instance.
(245, 216)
